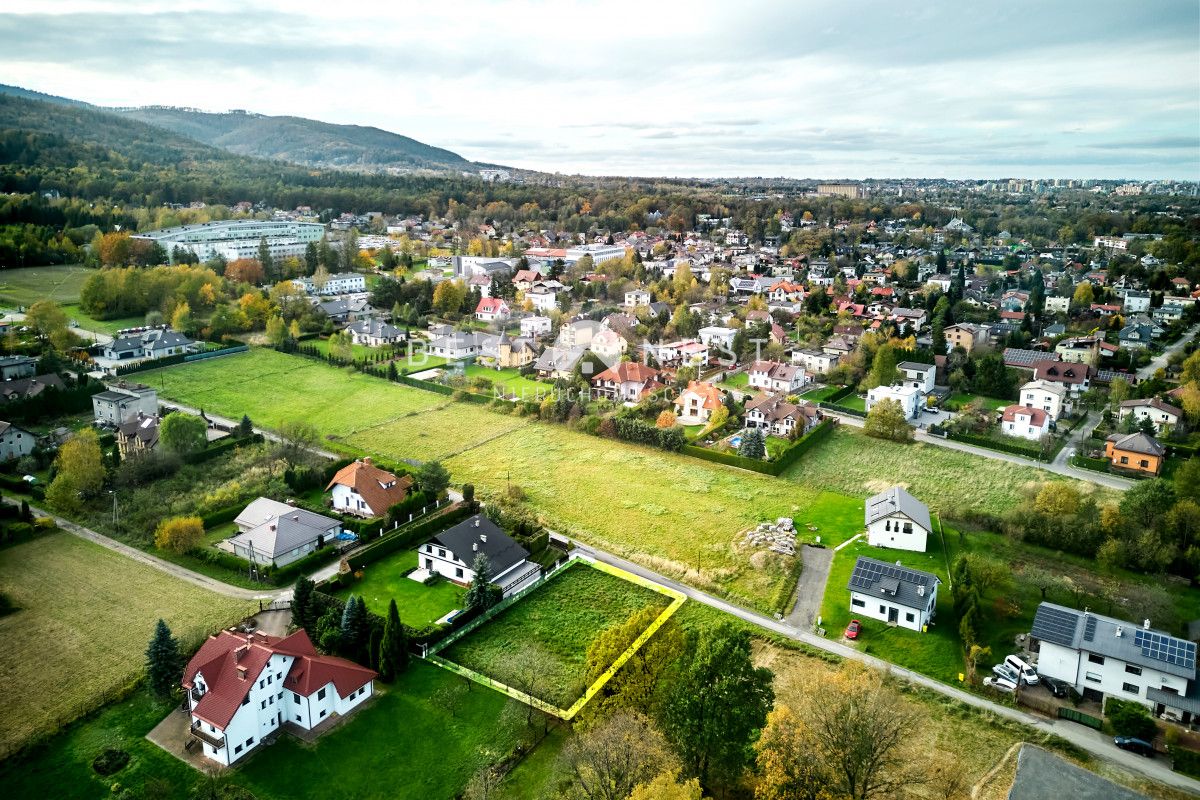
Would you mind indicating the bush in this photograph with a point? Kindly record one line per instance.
(1186, 761)
(110, 761)
(783, 595)
(1128, 718)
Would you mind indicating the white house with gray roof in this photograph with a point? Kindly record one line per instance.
(898, 520)
(452, 555)
(893, 594)
(277, 533)
(1106, 657)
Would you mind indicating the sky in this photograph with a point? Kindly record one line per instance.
(795, 88)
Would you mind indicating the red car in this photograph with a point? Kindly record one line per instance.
(852, 629)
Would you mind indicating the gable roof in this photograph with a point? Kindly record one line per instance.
(1156, 404)
(1137, 443)
(275, 528)
(709, 394)
(1062, 371)
(1037, 417)
(897, 500)
(1096, 633)
(898, 584)
(478, 534)
(379, 488)
(627, 372)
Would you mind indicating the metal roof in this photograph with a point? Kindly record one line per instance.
(897, 501)
(900, 585)
(1107, 636)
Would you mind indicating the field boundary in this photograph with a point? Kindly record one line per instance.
(566, 714)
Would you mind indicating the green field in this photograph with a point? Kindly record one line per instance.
(851, 463)
(510, 381)
(86, 614)
(990, 403)
(419, 605)
(854, 401)
(436, 434)
(24, 287)
(738, 380)
(560, 620)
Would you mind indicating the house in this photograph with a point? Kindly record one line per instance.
(1025, 422)
(637, 298)
(374, 333)
(627, 381)
(15, 442)
(685, 352)
(774, 414)
(122, 402)
(697, 402)
(609, 345)
(893, 594)
(1105, 309)
(578, 333)
(504, 352)
(137, 435)
(1049, 397)
(1105, 657)
(456, 346)
(718, 337)
(1164, 416)
(536, 326)
(1167, 313)
(1057, 305)
(918, 376)
(243, 687)
(1136, 452)
(152, 343)
(452, 555)
(772, 376)
(1136, 301)
(1079, 350)
(337, 283)
(815, 361)
(909, 397)
(25, 388)
(1075, 378)
(542, 299)
(1137, 335)
(840, 346)
(559, 362)
(940, 281)
(12, 367)
(364, 490)
(492, 309)
(965, 335)
(270, 532)
(896, 519)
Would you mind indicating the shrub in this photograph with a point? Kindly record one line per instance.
(110, 761)
(1128, 718)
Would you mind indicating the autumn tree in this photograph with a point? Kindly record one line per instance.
(181, 318)
(179, 534)
(448, 297)
(245, 270)
(1083, 296)
(668, 786)
(783, 755)
(637, 684)
(1058, 499)
(277, 331)
(182, 433)
(666, 419)
(610, 759)
(46, 318)
(80, 471)
(886, 420)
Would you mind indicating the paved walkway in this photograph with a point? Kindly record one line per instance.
(811, 588)
(1160, 361)
(1094, 742)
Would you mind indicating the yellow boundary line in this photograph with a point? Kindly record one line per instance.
(677, 600)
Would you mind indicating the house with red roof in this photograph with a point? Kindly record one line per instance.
(1025, 422)
(627, 381)
(492, 309)
(697, 402)
(365, 490)
(244, 687)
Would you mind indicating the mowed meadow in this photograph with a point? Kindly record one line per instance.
(85, 615)
(673, 513)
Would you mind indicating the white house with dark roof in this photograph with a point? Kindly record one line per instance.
(374, 333)
(918, 376)
(15, 442)
(898, 520)
(123, 401)
(1107, 657)
(1164, 415)
(893, 593)
(452, 554)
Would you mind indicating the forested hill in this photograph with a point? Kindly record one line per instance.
(301, 141)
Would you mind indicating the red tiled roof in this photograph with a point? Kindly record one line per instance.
(491, 305)
(1037, 417)
(627, 372)
(372, 483)
(1061, 371)
(710, 394)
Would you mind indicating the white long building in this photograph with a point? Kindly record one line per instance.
(238, 238)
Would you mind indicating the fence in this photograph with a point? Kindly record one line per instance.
(143, 366)
(785, 459)
(1080, 717)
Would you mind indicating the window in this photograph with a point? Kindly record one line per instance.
(246, 700)
(458, 573)
(264, 703)
(1093, 677)
(269, 677)
(887, 526)
(298, 718)
(1144, 463)
(1095, 659)
(441, 553)
(260, 684)
(1131, 688)
(322, 712)
(908, 527)
(237, 749)
(1124, 459)
(882, 609)
(1132, 670)
(250, 741)
(279, 696)
(321, 695)
(271, 700)
(857, 603)
(908, 617)
(296, 697)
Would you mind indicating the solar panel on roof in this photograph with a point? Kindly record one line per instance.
(1089, 629)
(1055, 625)
(1167, 649)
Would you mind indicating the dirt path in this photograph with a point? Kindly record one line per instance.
(811, 589)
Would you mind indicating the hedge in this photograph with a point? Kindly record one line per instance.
(168, 361)
(783, 595)
(283, 575)
(741, 462)
(785, 460)
(1084, 462)
(845, 391)
(992, 444)
(53, 402)
(1185, 761)
(222, 515)
(408, 535)
(225, 446)
(853, 412)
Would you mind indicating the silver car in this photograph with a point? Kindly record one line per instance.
(1007, 673)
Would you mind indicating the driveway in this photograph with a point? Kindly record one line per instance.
(1160, 361)
(811, 589)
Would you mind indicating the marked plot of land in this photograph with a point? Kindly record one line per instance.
(559, 620)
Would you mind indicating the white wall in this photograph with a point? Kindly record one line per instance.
(890, 532)
(877, 608)
(348, 501)
(1110, 678)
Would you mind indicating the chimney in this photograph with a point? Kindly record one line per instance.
(1119, 631)
(477, 522)
(1146, 624)
(367, 460)
(483, 537)
(920, 590)
(241, 673)
(475, 547)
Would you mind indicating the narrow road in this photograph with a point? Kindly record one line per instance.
(1094, 742)
(1160, 361)
(267, 434)
(811, 588)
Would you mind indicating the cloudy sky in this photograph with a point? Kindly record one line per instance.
(802, 88)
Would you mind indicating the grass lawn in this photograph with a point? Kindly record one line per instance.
(438, 434)
(86, 614)
(560, 620)
(851, 463)
(60, 283)
(854, 401)
(817, 395)
(739, 380)
(419, 605)
(990, 403)
(109, 326)
(510, 381)
(359, 352)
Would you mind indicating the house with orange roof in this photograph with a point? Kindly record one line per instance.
(697, 402)
(243, 687)
(627, 381)
(364, 490)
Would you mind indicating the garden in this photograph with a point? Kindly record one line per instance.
(387, 579)
(556, 623)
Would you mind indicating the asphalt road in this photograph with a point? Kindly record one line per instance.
(1160, 361)
(811, 588)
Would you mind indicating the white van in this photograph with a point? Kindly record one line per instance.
(1028, 674)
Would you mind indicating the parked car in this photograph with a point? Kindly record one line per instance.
(1139, 746)
(852, 629)
(1022, 668)
(1007, 673)
(1000, 684)
(1055, 686)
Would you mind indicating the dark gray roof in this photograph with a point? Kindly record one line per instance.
(900, 585)
(502, 551)
(1137, 443)
(896, 500)
(915, 366)
(1107, 636)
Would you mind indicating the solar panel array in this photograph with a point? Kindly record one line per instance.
(1089, 630)
(1167, 649)
(867, 572)
(1056, 625)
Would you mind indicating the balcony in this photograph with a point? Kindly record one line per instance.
(198, 732)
